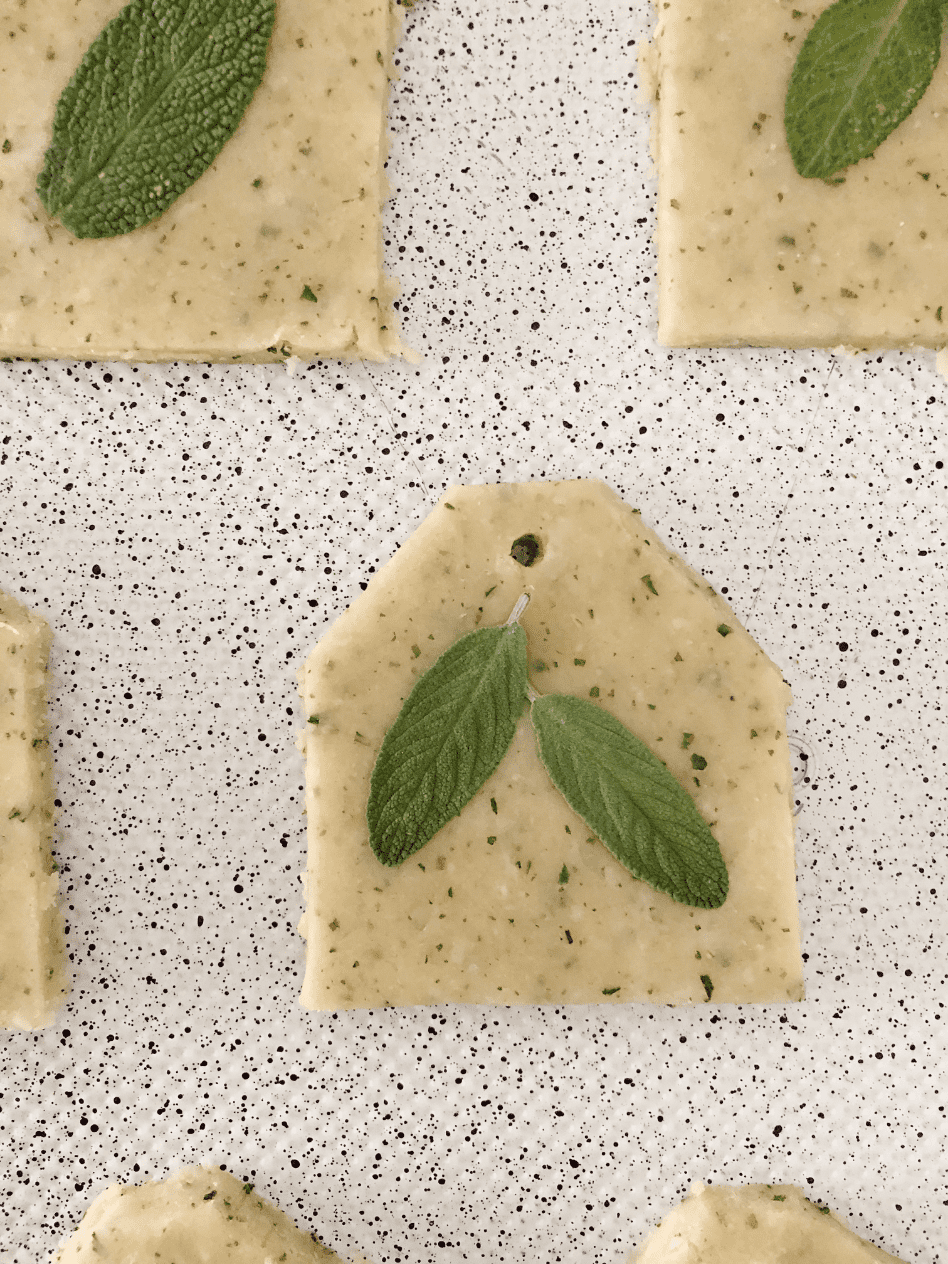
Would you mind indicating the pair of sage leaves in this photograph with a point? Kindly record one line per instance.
(458, 723)
(862, 69)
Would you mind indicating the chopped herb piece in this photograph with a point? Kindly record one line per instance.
(780, 1198)
(248, 1189)
(679, 659)
(334, 925)
(212, 1194)
(699, 763)
(308, 294)
(686, 740)
(708, 985)
(610, 991)
(569, 938)
(490, 590)
(451, 892)
(724, 629)
(493, 806)
(647, 581)
(491, 839)
(447, 506)
(421, 867)
(579, 662)
(416, 651)
(651, 706)
(594, 692)
(564, 876)
(313, 719)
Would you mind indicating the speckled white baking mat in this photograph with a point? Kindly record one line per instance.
(189, 533)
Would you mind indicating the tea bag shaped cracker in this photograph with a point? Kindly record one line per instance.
(750, 252)
(755, 1224)
(32, 966)
(513, 901)
(195, 1216)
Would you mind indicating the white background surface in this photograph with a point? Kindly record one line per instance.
(189, 533)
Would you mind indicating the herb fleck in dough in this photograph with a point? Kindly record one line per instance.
(511, 932)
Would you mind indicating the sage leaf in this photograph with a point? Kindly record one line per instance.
(627, 796)
(451, 733)
(157, 94)
(861, 70)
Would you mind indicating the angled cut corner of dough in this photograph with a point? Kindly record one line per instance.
(289, 212)
(196, 1215)
(481, 914)
(33, 981)
(755, 1224)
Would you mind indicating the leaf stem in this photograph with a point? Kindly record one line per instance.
(522, 602)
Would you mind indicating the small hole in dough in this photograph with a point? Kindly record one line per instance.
(526, 549)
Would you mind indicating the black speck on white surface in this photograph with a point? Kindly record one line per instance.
(189, 532)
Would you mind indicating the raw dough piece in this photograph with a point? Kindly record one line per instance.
(32, 964)
(749, 252)
(755, 1224)
(293, 200)
(198, 1216)
(480, 914)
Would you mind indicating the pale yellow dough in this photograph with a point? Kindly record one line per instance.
(293, 200)
(480, 914)
(755, 1224)
(33, 980)
(197, 1216)
(750, 253)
